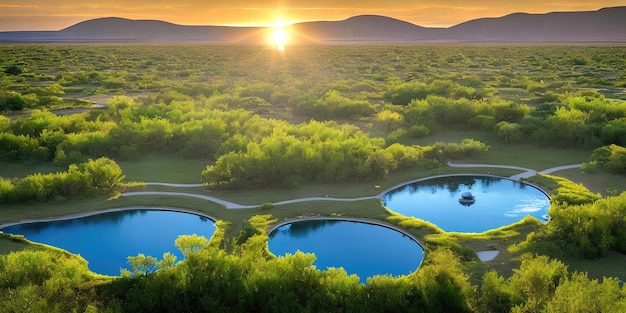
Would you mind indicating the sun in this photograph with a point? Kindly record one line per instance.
(279, 38)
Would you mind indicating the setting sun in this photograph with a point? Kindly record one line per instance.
(278, 38)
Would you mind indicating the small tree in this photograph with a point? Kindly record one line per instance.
(12, 101)
(190, 243)
(390, 120)
(509, 132)
(142, 264)
(617, 161)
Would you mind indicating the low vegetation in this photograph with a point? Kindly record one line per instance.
(307, 122)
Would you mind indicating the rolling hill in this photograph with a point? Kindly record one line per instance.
(604, 25)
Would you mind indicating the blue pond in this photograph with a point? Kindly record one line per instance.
(497, 202)
(105, 240)
(360, 248)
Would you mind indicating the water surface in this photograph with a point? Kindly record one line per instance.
(498, 202)
(106, 239)
(360, 248)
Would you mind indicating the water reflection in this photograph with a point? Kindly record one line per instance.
(304, 228)
(105, 240)
(498, 202)
(362, 249)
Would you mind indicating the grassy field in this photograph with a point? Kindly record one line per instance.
(524, 155)
(164, 169)
(305, 77)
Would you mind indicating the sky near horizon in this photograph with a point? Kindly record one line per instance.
(58, 14)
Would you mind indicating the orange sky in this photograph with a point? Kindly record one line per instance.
(58, 14)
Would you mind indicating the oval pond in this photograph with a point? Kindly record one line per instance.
(497, 202)
(106, 239)
(360, 248)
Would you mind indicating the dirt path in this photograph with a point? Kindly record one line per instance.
(526, 172)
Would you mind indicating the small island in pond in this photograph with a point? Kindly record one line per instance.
(467, 198)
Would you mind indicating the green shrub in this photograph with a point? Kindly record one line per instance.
(589, 167)
(267, 206)
(14, 69)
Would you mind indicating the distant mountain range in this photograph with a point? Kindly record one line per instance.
(606, 25)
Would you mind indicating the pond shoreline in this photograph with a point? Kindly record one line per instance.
(346, 219)
(87, 214)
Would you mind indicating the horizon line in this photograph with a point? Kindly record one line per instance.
(294, 22)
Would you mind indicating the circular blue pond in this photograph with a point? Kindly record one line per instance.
(360, 248)
(443, 201)
(106, 239)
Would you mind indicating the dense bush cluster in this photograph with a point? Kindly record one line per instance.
(46, 281)
(316, 152)
(248, 149)
(612, 158)
(582, 224)
(101, 175)
(587, 120)
(592, 229)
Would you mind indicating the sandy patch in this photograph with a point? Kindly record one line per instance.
(487, 255)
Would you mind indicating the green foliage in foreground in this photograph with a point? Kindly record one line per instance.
(544, 285)
(45, 281)
(594, 228)
(251, 280)
(582, 224)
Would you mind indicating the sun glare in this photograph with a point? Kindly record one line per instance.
(279, 37)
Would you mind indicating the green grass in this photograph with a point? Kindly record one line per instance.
(164, 168)
(8, 245)
(611, 265)
(532, 156)
(506, 261)
(524, 155)
(599, 182)
(15, 169)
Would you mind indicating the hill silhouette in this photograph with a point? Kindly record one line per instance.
(604, 25)
(365, 28)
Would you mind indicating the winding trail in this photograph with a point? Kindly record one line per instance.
(560, 168)
(232, 205)
(227, 204)
(174, 185)
(526, 172)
